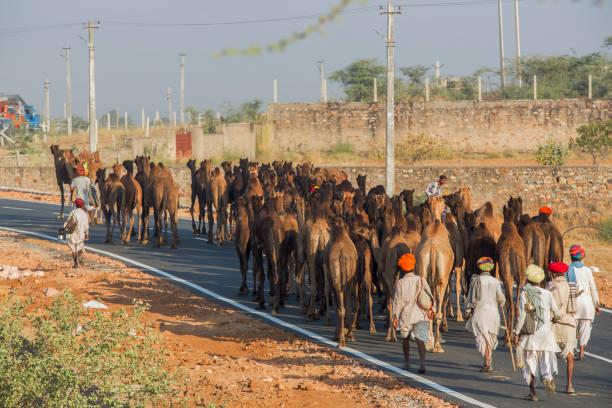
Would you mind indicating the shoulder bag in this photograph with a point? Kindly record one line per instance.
(425, 302)
(529, 326)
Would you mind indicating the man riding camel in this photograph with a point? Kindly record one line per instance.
(434, 189)
(483, 299)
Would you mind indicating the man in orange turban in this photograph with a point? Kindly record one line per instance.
(409, 317)
(545, 210)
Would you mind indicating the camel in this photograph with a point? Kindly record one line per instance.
(112, 199)
(243, 240)
(458, 246)
(485, 214)
(340, 271)
(65, 163)
(360, 237)
(316, 235)
(397, 244)
(554, 240)
(533, 236)
(198, 193)
(133, 201)
(361, 183)
(266, 238)
(510, 252)
(480, 244)
(435, 260)
(217, 197)
(161, 193)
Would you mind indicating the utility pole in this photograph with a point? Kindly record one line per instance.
(117, 119)
(323, 82)
(275, 96)
(501, 46)
(535, 88)
(589, 89)
(93, 126)
(479, 89)
(375, 91)
(47, 110)
(142, 118)
(437, 73)
(169, 97)
(125, 121)
(518, 44)
(390, 128)
(68, 91)
(182, 55)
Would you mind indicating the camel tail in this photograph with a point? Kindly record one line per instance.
(433, 267)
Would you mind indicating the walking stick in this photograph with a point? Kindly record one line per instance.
(508, 338)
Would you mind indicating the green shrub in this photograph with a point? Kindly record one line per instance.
(343, 147)
(606, 236)
(67, 358)
(418, 147)
(552, 153)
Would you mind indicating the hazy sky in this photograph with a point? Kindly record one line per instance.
(135, 65)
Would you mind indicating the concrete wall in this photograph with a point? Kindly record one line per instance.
(234, 139)
(562, 188)
(477, 126)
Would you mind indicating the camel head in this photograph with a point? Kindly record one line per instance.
(509, 215)
(206, 166)
(55, 151)
(244, 164)
(408, 197)
(436, 206)
(339, 227)
(508, 228)
(191, 165)
(361, 181)
(100, 176)
(129, 166)
(465, 196)
(227, 167)
(117, 170)
(525, 219)
(516, 203)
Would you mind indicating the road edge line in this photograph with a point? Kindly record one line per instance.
(274, 320)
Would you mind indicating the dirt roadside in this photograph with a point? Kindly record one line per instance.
(228, 357)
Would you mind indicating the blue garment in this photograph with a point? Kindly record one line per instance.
(570, 275)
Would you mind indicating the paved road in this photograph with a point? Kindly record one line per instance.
(216, 269)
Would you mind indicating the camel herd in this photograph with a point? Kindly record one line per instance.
(312, 234)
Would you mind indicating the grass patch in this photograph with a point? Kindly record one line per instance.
(343, 148)
(606, 236)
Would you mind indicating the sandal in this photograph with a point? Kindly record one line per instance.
(549, 386)
(530, 397)
(422, 370)
(570, 390)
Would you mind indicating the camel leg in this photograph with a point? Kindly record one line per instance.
(440, 291)
(369, 306)
(340, 316)
(174, 227)
(211, 223)
(299, 278)
(458, 292)
(353, 303)
(61, 187)
(327, 291)
(158, 214)
(221, 226)
(312, 310)
(243, 257)
(259, 275)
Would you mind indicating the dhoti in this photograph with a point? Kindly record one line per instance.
(541, 364)
(584, 331)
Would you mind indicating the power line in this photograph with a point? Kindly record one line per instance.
(455, 3)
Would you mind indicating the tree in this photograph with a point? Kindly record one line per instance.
(608, 42)
(357, 79)
(595, 138)
(245, 112)
(552, 154)
(416, 74)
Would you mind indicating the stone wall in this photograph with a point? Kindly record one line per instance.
(469, 125)
(561, 188)
(234, 139)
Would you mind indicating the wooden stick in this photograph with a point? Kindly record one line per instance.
(508, 338)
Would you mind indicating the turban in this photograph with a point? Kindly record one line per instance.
(546, 210)
(79, 203)
(485, 264)
(80, 170)
(86, 172)
(534, 273)
(406, 262)
(558, 267)
(314, 189)
(576, 252)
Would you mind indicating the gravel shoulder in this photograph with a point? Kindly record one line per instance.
(229, 358)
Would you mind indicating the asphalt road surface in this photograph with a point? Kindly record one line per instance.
(454, 371)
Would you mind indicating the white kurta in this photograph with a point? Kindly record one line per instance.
(539, 348)
(76, 240)
(586, 302)
(484, 323)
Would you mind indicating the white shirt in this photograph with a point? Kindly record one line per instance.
(485, 317)
(543, 339)
(586, 302)
(433, 189)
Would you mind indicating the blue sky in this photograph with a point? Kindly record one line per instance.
(135, 65)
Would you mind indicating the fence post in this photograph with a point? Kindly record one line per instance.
(590, 95)
(426, 89)
(535, 88)
(147, 129)
(18, 158)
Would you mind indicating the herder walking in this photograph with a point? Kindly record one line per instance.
(536, 310)
(587, 301)
(82, 186)
(77, 231)
(409, 315)
(564, 328)
(483, 299)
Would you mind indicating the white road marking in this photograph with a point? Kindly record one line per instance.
(603, 309)
(277, 321)
(607, 360)
(17, 208)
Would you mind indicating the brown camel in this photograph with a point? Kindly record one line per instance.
(112, 200)
(533, 236)
(360, 237)
(65, 164)
(219, 201)
(243, 240)
(554, 240)
(481, 244)
(485, 215)
(340, 271)
(316, 236)
(435, 260)
(133, 201)
(198, 192)
(397, 244)
(361, 183)
(458, 245)
(512, 263)
(161, 193)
